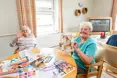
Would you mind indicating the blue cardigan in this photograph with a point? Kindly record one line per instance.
(112, 40)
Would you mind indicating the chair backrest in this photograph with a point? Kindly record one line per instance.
(76, 34)
(110, 55)
(99, 53)
(13, 56)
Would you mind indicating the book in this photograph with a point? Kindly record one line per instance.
(63, 67)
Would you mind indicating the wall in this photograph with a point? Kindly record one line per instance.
(70, 21)
(8, 17)
(102, 7)
(95, 8)
(8, 26)
(5, 49)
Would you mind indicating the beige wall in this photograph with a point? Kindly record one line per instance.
(8, 26)
(70, 21)
(8, 17)
(102, 7)
(95, 8)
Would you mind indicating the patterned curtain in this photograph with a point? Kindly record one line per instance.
(26, 14)
(114, 13)
(60, 17)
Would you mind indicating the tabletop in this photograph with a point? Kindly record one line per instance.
(57, 53)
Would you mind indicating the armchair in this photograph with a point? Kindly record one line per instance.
(97, 70)
(110, 60)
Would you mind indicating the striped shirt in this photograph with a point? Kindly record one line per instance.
(24, 42)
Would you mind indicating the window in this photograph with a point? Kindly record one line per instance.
(47, 16)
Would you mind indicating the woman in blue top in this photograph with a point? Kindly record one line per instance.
(84, 47)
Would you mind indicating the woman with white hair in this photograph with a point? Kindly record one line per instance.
(84, 47)
(24, 39)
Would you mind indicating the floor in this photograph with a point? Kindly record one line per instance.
(105, 75)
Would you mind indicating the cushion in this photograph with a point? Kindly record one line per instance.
(107, 53)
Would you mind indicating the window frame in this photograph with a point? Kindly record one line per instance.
(54, 28)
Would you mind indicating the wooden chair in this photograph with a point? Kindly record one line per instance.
(10, 77)
(110, 64)
(16, 55)
(95, 72)
(16, 51)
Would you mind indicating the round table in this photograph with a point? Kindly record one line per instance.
(57, 53)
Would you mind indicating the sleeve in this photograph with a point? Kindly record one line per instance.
(77, 39)
(91, 49)
(13, 43)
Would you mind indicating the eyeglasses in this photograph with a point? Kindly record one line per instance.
(78, 11)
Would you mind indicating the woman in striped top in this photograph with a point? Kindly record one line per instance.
(24, 39)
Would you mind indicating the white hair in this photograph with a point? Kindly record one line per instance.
(26, 28)
(88, 24)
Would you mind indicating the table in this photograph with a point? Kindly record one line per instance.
(61, 56)
(98, 39)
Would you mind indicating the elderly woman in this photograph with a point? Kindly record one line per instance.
(84, 47)
(24, 39)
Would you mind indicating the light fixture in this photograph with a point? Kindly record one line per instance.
(80, 3)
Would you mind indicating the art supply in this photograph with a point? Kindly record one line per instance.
(37, 62)
(48, 59)
(47, 68)
(63, 66)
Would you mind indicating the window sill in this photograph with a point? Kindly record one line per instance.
(42, 35)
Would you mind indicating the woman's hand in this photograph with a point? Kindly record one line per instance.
(75, 45)
(19, 34)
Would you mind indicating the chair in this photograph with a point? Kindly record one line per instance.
(10, 77)
(97, 71)
(16, 55)
(15, 51)
(97, 67)
(110, 60)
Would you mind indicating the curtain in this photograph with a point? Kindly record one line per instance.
(26, 14)
(114, 13)
(60, 16)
